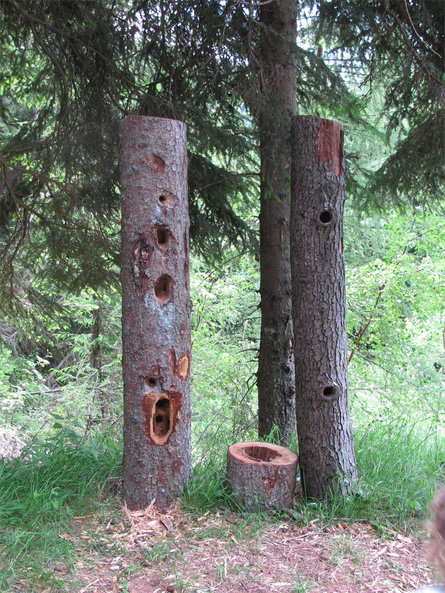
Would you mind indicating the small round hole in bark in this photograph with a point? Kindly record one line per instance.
(331, 392)
(257, 453)
(166, 199)
(152, 381)
(164, 288)
(326, 216)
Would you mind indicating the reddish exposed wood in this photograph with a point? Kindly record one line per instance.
(325, 438)
(262, 474)
(329, 145)
(155, 310)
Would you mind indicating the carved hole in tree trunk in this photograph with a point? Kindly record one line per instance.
(161, 418)
(164, 288)
(163, 236)
(152, 381)
(331, 392)
(157, 163)
(326, 216)
(166, 199)
(260, 453)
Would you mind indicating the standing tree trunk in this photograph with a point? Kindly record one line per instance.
(326, 452)
(155, 310)
(276, 379)
(96, 361)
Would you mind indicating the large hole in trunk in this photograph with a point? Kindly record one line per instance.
(161, 418)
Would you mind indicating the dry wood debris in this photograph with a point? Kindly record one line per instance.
(153, 552)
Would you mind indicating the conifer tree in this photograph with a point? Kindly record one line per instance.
(70, 72)
(278, 75)
(399, 44)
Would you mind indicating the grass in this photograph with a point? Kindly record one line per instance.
(303, 585)
(208, 490)
(400, 465)
(39, 495)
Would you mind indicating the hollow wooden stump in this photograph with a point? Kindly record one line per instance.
(262, 475)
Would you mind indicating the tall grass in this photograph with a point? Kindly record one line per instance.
(400, 465)
(41, 491)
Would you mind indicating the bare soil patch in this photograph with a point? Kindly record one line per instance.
(173, 552)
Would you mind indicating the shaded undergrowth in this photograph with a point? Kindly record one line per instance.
(40, 493)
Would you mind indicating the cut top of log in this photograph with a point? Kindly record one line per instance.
(263, 453)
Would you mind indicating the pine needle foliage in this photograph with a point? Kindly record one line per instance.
(72, 70)
(400, 46)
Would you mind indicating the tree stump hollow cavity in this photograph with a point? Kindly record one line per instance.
(262, 475)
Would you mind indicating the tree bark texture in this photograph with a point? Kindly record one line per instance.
(155, 310)
(326, 451)
(276, 379)
(261, 474)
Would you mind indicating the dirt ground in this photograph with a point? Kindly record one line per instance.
(153, 552)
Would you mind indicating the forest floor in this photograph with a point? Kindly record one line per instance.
(177, 552)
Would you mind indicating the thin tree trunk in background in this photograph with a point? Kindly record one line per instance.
(326, 451)
(276, 379)
(96, 361)
(155, 310)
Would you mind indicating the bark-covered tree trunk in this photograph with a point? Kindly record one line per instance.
(276, 380)
(326, 451)
(155, 310)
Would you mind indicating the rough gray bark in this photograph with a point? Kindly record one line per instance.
(326, 451)
(276, 380)
(155, 310)
(261, 474)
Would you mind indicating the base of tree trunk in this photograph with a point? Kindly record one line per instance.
(262, 475)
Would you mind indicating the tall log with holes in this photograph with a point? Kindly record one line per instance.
(326, 452)
(155, 310)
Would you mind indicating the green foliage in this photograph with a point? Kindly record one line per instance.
(225, 323)
(395, 281)
(71, 72)
(58, 377)
(397, 47)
